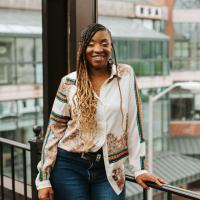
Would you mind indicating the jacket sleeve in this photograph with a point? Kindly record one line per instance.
(58, 120)
(136, 142)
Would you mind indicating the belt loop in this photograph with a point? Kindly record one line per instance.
(83, 155)
(98, 158)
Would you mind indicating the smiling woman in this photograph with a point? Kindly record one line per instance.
(95, 124)
(99, 50)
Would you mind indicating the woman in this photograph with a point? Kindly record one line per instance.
(95, 124)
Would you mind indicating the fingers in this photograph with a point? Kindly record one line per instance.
(146, 177)
(142, 184)
(46, 194)
(162, 181)
(156, 180)
(51, 195)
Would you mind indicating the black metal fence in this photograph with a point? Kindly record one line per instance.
(9, 183)
(12, 188)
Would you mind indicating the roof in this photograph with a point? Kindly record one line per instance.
(175, 168)
(20, 22)
(185, 145)
(127, 28)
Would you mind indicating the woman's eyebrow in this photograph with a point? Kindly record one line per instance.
(103, 40)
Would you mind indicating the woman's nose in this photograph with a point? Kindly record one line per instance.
(98, 48)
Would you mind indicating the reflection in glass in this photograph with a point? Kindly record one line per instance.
(147, 58)
(25, 73)
(24, 50)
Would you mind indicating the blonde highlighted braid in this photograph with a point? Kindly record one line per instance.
(86, 101)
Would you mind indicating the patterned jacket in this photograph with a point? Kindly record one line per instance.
(120, 132)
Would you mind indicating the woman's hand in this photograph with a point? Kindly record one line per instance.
(45, 194)
(141, 179)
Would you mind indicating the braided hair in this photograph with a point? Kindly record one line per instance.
(86, 101)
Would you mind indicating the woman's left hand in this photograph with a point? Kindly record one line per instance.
(141, 179)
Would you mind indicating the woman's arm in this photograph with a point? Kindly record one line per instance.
(58, 120)
(136, 142)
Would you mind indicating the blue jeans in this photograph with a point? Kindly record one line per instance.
(74, 178)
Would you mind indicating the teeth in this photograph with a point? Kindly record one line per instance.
(98, 57)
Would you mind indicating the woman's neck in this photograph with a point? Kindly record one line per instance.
(99, 72)
(97, 78)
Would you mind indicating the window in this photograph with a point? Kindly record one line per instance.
(186, 46)
(6, 58)
(147, 57)
(187, 4)
(185, 106)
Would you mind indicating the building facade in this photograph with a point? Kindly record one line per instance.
(20, 69)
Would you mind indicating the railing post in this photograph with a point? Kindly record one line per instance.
(35, 148)
(169, 196)
(144, 194)
(1, 171)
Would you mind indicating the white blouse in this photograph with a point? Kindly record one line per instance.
(118, 141)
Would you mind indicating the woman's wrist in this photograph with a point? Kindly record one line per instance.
(139, 172)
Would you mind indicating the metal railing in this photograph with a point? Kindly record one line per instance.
(10, 186)
(28, 190)
(169, 189)
(5, 180)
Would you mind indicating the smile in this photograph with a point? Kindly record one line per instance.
(98, 58)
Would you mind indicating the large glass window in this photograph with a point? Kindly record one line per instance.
(187, 4)
(19, 117)
(20, 73)
(7, 71)
(20, 60)
(147, 57)
(185, 106)
(186, 46)
(161, 114)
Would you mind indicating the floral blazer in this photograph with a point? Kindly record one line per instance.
(119, 124)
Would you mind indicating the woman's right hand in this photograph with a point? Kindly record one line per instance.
(45, 194)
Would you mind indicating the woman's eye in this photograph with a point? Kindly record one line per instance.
(105, 44)
(90, 45)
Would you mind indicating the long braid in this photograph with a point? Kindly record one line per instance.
(87, 102)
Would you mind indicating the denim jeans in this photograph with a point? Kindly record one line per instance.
(74, 178)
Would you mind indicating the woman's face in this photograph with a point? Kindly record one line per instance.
(99, 50)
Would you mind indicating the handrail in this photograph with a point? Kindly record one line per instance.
(169, 189)
(15, 143)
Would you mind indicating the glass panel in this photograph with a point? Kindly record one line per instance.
(159, 49)
(6, 50)
(185, 49)
(182, 108)
(25, 73)
(187, 4)
(157, 119)
(38, 49)
(177, 49)
(198, 49)
(145, 45)
(25, 50)
(7, 73)
(39, 73)
(20, 116)
(158, 68)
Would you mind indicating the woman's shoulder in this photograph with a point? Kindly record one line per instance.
(124, 69)
(70, 78)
